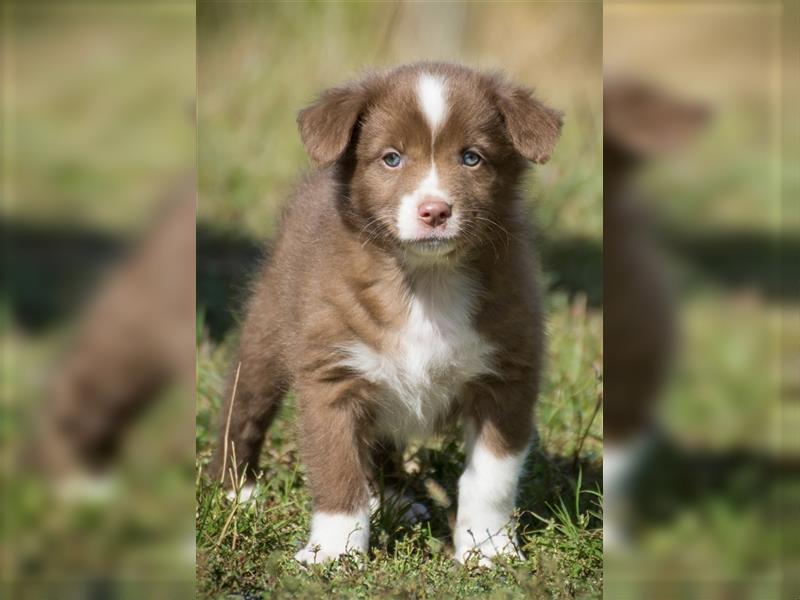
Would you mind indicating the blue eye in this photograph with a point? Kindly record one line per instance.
(470, 159)
(392, 159)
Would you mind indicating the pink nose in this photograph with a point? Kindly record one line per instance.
(433, 212)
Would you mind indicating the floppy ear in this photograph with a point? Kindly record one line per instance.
(646, 121)
(533, 127)
(327, 125)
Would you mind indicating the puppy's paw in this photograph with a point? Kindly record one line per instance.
(486, 547)
(616, 538)
(335, 534)
(244, 494)
(83, 488)
(315, 555)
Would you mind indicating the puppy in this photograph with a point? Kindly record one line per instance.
(134, 340)
(641, 123)
(401, 295)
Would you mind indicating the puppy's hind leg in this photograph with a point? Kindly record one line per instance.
(252, 400)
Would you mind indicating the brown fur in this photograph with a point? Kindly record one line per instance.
(640, 124)
(135, 338)
(339, 274)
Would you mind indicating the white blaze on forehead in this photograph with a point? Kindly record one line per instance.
(431, 97)
(430, 185)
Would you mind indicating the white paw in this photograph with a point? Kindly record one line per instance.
(314, 555)
(335, 534)
(82, 488)
(620, 463)
(613, 538)
(616, 537)
(486, 546)
(485, 527)
(243, 494)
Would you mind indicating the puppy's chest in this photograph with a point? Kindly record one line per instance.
(421, 364)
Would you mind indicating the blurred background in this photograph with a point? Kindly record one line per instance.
(711, 507)
(98, 271)
(258, 65)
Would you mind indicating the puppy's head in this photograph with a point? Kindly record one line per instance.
(643, 122)
(432, 153)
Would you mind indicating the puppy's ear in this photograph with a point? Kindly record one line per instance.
(327, 125)
(646, 121)
(533, 127)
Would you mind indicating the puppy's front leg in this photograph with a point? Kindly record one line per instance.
(497, 445)
(334, 456)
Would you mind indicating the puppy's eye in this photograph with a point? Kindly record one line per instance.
(470, 159)
(392, 160)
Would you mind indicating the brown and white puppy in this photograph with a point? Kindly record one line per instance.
(402, 294)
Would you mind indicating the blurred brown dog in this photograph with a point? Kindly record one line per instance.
(640, 124)
(135, 337)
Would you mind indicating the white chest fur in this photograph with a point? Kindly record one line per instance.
(422, 365)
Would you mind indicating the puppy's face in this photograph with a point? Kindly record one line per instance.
(433, 153)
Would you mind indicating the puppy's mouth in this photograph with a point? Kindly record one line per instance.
(431, 246)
